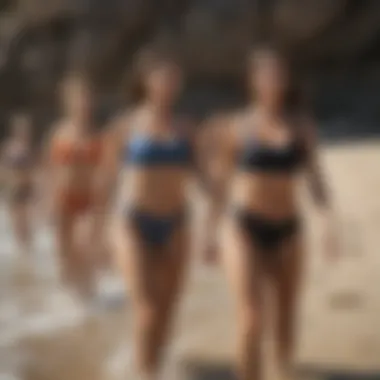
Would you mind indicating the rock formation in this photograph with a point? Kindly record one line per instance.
(40, 40)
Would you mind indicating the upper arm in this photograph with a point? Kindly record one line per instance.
(316, 179)
(44, 159)
(221, 134)
(115, 137)
(217, 144)
(310, 139)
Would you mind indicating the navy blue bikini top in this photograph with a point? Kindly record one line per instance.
(144, 151)
(257, 156)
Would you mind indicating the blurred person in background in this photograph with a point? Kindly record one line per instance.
(73, 178)
(18, 168)
(259, 155)
(157, 153)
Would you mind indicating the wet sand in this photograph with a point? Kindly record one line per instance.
(45, 336)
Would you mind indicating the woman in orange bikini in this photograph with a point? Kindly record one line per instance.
(74, 175)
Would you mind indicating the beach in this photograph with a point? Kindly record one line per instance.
(44, 335)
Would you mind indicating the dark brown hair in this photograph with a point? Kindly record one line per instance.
(146, 61)
(72, 79)
(294, 97)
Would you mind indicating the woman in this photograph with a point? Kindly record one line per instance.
(151, 230)
(74, 156)
(265, 148)
(18, 163)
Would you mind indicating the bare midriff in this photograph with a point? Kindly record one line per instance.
(161, 191)
(270, 195)
(74, 178)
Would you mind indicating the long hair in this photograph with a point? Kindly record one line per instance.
(146, 61)
(294, 99)
(73, 81)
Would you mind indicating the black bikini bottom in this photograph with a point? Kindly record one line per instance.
(266, 234)
(155, 230)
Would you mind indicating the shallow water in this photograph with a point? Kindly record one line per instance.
(46, 335)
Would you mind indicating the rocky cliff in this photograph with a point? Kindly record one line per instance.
(40, 40)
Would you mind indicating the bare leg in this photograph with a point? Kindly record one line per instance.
(287, 274)
(171, 273)
(83, 257)
(97, 239)
(65, 247)
(74, 257)
(245, 275)
(20, 213)
(64, 239)
(154, 280)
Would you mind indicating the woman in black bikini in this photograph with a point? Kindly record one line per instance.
(265, 148)
(19, 172)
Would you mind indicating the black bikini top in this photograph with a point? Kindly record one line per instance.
(258, 156)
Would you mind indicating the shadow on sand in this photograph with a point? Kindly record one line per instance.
(198, 370)
(320, 373)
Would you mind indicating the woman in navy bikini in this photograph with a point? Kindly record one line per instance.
(265, 148)
(151, 227)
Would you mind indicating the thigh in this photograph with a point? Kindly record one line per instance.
(242, 265)
(135, 262)
(17, 212)
(95, 221)
(287, 269)
(173, 263)
(64, 232)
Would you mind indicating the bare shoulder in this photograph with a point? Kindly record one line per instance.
(57, 131)
(237, 119)
(236, 125)
(122, 119)
(120, 124)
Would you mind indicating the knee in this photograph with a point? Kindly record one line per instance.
(250, 322)
(147, 314)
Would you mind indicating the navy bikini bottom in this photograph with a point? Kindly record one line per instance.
(154, 230)
(266, 234)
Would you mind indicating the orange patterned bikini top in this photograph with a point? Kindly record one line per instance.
(84, 153)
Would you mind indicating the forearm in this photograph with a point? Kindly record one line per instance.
(323, 201)
(320, 193)
(215, 207)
